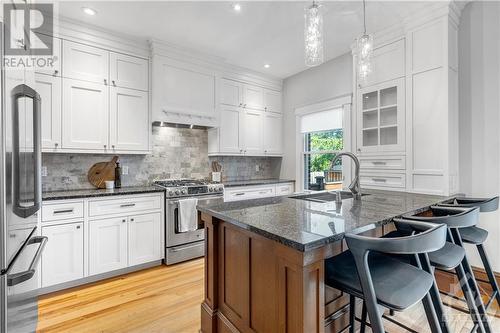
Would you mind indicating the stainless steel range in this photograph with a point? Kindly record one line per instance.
(184, 245)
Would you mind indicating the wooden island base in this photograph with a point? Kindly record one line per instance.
(254, 284)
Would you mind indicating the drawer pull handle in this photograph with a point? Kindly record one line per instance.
(63, 211)
(242, 193)
(379, 163)
(381, 180)
(127, 205)
(262, 192)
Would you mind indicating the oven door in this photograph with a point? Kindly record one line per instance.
(173, 236)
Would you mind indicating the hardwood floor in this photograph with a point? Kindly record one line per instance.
(167, 299)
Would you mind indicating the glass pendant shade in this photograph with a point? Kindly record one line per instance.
(365, 52)
(313, 35)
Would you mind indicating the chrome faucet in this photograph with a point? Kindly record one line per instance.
(354, 186)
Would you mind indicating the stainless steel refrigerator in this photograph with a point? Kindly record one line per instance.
(21, 245)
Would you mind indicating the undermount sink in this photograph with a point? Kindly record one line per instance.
(324, 196)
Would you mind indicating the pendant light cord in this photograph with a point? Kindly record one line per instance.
(364, 17)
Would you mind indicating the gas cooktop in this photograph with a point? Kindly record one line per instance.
(189, 187)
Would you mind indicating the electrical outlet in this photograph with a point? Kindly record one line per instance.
(257, 168)
(44, 171)
(124, 169)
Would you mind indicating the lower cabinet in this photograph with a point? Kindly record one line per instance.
(124, 241)
(62, 258)
(107, 245)
(144, 238)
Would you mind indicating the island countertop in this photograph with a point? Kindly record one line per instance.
(306, 225)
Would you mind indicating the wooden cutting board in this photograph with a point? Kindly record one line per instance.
(102, 171)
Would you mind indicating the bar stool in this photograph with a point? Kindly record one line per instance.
(477, 236)
(367, 271)
(456, 219)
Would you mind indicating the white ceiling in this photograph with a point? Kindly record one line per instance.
(263, 32)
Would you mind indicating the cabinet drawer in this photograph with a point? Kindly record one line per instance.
(396, 180)
(284, 189)
(124, 205)
(246, 193)
(62, 211)
(383, 162)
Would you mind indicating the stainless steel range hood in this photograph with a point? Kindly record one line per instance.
(175, 125)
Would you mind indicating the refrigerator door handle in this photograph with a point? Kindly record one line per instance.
(19, 91)
(17, 278)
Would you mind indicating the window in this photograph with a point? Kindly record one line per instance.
(323, 137)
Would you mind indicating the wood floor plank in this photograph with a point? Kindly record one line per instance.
(166, 299)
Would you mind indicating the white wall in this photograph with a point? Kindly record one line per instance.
(329, 80)
(479, 109)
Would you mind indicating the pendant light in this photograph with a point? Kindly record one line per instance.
(313, 35)
(365, 50)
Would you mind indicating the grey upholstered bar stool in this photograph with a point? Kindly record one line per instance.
(477, 236)
(448, 258)
(367, 271)
(456, 219)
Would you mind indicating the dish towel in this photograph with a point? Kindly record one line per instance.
(188, 215)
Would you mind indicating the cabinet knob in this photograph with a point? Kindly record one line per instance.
(56, 144)
(241, 104)
(105, 82)
(113, 146)
(78, 227)
(105, 146)
(265, 108)
(123, 221)
(56, 72)
(113, 83)
(131, 220)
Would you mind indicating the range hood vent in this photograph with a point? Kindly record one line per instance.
(176, 125)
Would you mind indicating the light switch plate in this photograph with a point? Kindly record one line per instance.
(124, 169)
(44, 171)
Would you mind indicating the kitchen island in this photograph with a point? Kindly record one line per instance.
(264, 260)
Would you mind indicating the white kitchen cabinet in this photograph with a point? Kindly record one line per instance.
(128, 72)
(273, 134)
(253, 97)
(381, 117)
(231, 92)
(86, 115)
(272, 101)
(229, 131)
(144, 238)
(55, 69)
(62, 258)
(252, 132)
(49, 88)
(129, 119)
(108, 245)
(83, 62)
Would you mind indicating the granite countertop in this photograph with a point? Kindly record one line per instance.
(305, 225)
(89, 193)
(235, 183)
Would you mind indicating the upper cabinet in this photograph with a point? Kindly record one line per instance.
(55, 69)
(183, 92)
(388, 63)
(86, 63)
(128, 72)
(250, 121)
(49, 88)
(381, 117)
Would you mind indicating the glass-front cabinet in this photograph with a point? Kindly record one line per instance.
(381, 117)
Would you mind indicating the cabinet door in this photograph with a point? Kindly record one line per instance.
(251, 128)
(144, 238)
(273, 134)
(107, 245)
(49, 88)
(253, 97)
(85, 63)
(129, 119)
(55, 69)
(229, 131)
(62, 258)
(85, 116)
(272, 101)
(128, 72)
(231, 93)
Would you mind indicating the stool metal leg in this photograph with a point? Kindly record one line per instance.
(352, 313)
(363, 319)
(489, 272)
(469, 298)
(431, 314)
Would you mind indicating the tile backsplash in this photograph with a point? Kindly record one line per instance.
(177, 153)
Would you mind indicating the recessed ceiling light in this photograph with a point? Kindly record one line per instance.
(237, 7)
(267, 66)
(89, 11)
